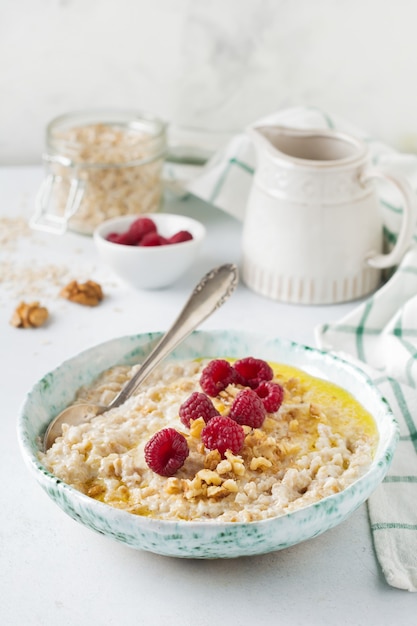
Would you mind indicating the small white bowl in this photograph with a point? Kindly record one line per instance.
(150, 267)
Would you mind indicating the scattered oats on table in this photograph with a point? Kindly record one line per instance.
(11, 229)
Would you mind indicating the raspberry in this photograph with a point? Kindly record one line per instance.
(271, 394)
(152, 239)
(166, 451)
(252, 371)
(180, 236)
(248, 409)
(113, 237)
(216, 376)
(223, 433)
(197, 405)
(125, 239)
(140, 227)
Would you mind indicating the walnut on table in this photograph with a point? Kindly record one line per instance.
(29, 315)
(88, 293)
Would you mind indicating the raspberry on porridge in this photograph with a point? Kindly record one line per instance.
(270, 439)
(197, 405)
(248, 409)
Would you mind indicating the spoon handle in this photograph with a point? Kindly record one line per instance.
(210, 293)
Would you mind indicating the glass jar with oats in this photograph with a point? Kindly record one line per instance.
(100, 164)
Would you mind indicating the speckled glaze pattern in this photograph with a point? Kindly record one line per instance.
(209, 539)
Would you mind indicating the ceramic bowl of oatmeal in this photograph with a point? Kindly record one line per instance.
(149, 251)
(239, 444)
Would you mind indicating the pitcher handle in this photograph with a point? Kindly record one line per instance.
(409, 217)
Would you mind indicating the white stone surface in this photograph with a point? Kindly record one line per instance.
(55, 572)
(211, 64)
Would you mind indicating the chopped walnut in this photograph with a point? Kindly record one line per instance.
(315, 410)
(208, 483)
(260, 463)
(195, 488)
(230, 393)
(210, 477)
(292, 384)
(220, 491)
(238, 467)
(172, 485)
(269, 424)
(196, 427)
(286, 447)
(88, 293)
(294, 414)
(212, 459)
(29, 315)
(230, 485)
(259, 443)
(224, 467)
(293, 425)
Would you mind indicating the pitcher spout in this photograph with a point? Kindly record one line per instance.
(263, 136)
(274, 140)
(314, 146)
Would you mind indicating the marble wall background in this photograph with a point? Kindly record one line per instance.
(211, 64)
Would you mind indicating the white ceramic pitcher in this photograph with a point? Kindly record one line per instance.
(313, 229)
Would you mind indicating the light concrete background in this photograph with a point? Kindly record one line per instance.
(211, 64)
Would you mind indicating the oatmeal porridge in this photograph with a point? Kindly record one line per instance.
(281, 442)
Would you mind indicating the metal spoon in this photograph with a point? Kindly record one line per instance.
(210, 293)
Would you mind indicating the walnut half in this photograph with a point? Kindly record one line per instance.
(29, 315)
(88, 293)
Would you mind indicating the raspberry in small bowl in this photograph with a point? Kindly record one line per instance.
(149, 251)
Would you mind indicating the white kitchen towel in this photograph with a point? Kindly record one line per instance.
(381, 332)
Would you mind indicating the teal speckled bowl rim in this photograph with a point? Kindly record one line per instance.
(203, 539)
